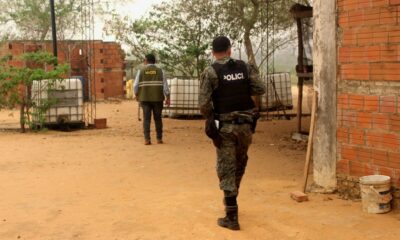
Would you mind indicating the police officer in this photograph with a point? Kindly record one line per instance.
(151, 89)
(226, 91)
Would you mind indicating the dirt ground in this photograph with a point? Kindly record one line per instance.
(105, 184)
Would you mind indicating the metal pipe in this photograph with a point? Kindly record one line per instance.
(53, 28)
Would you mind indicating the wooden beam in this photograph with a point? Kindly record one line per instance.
(301, 80)
(303, 14)
(305, 75)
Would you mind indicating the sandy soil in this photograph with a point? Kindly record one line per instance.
(105, 184)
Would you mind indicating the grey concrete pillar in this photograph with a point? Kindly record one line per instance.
(325, 76)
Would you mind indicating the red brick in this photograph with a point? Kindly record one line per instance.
(344, 55)
(388, 16)
(343, 20)
(349, 37)
(358, 169)
(371, 16)
(349, 118)
(350, 5)
(386, 171)
(343, 135)
(389, 53)
(364, 120)
(371, 103)
(342, 167)
(364, 154)
(388, 104)
(391, 141)
(339, 117)
(394, 160)
(398, 104)
(385, 71)
(395, 122)
(373, 54)
(374, 139)
(299, 196)
(380, 121)
(343, 101)
(379, 157)
(356, 18)
(394, 2)
(356, 102)
(349, 153)
(379, 3)
(355, 71)
(357, 136)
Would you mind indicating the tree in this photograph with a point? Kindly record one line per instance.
(179, 32)
(15, 83)
(30, 19)
(261, 23)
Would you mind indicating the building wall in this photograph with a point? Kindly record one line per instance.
(106, 62)
(368, 115)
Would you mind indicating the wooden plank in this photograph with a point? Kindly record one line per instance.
(303, 14)
(305, 75)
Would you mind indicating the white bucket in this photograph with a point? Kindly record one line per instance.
(375, 193)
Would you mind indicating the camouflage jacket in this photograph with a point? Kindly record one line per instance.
(209, 82)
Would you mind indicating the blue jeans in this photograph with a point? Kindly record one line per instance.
(156, 108)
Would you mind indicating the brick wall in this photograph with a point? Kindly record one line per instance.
(107, 62)
(369, 88)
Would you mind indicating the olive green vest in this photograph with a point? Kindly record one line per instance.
(151, 84)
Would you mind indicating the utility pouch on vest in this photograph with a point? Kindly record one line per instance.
(256, 116)
(212, 131)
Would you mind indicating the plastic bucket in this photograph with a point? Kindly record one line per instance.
(375, 193)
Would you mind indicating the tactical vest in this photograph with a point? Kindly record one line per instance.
(233, 91)
(151, 84)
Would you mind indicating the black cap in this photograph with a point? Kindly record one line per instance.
(221, 44)
(150, 58)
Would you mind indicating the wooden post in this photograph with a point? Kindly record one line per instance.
(300, 67)
(53, 28)
(310, 140)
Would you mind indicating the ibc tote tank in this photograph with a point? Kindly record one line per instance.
(68, 101)
(279, 92)
(184, 94)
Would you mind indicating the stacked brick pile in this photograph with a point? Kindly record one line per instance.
(368, 91)
(109, 65)
(106, 62)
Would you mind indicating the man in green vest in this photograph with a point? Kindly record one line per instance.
(151, 89)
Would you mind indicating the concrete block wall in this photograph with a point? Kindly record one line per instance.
(368, 99)
(107, 62)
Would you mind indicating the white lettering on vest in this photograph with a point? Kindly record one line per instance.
(234, 77)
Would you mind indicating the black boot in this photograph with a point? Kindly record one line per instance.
(230, 221)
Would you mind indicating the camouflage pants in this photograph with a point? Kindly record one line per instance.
(232, 156)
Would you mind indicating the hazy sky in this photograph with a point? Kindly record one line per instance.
(133, 8)
(137, 8)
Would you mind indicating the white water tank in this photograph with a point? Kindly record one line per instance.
(278, 94)
(184, 98)
(66, 101)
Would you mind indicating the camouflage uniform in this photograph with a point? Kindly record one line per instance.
(236, 138)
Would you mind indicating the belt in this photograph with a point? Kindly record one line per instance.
(237, 121)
